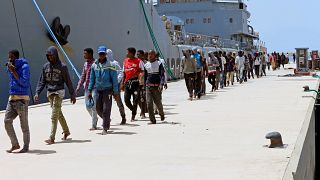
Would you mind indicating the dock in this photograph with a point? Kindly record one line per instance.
(219, 137)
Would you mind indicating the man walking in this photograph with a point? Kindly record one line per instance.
(189, 69)
(240, 60)
(19, 76)
(264, 61)
(104, 78)
(230, 69)
(142, 91)
(199, 59)
(54, 75)
(85, 79)
(222, 56)
(133, 69)
(116, 97)
(155, 79)
(218, 69)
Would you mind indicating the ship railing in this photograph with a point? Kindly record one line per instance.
(179, 37)
(183, 38)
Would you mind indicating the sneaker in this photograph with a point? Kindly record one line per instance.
(13, 148)
(49, 141)
(152, 122)
(65, 135)
(133, 118)
(123, 122)
(25, 149)
(104, 132)
(93, 129)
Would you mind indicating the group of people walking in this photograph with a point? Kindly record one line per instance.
(277, 60)
(221, 68)
(141, 78)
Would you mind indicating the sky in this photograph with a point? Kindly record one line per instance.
(286, 24)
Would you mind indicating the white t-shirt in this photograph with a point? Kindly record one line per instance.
(223, 61)
(257, 61)
(240, 61)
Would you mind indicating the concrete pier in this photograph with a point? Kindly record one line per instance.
(221, 136)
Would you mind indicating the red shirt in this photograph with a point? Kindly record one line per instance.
(132, 68)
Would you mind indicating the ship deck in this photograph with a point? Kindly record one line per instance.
(218, 137)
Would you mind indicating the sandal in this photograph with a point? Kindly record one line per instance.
(65, 135)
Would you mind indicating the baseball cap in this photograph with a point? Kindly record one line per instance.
(102, 49)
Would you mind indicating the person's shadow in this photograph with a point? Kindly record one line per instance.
(69, 141)
(41, 152)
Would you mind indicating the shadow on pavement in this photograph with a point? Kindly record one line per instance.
(41, 152)
(119, 133)
(69, 141)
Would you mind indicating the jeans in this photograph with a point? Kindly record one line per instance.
(241, 77)
(257, 69)
(212, 80)
(120, 106)
(57, 115)
(132, 89)
(198, 84)
(92, 111)
(154, 96)
(264, 67)
(104, 105)
(14, 109)
(217, 80)
(222, 79)
(250, 73)
(142, 100)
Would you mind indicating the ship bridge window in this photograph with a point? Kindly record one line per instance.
(206, 20)
(190, 21)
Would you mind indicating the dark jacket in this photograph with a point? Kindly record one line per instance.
(230, 64)
(154, 73)
(21, 86)
(54, 76)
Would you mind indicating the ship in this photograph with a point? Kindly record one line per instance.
(121, 24)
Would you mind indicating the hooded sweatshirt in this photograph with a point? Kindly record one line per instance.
(116, 64)
(54, 76)
(20, 87)
(188, 64)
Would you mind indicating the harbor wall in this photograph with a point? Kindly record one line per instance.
(302, 161)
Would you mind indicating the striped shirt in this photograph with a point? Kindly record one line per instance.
(85, 75)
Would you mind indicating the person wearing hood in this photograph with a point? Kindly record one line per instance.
(84, 80)
(104, 78)
(189, 69)
(120, 75)
(19, 76)
(54, 76)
